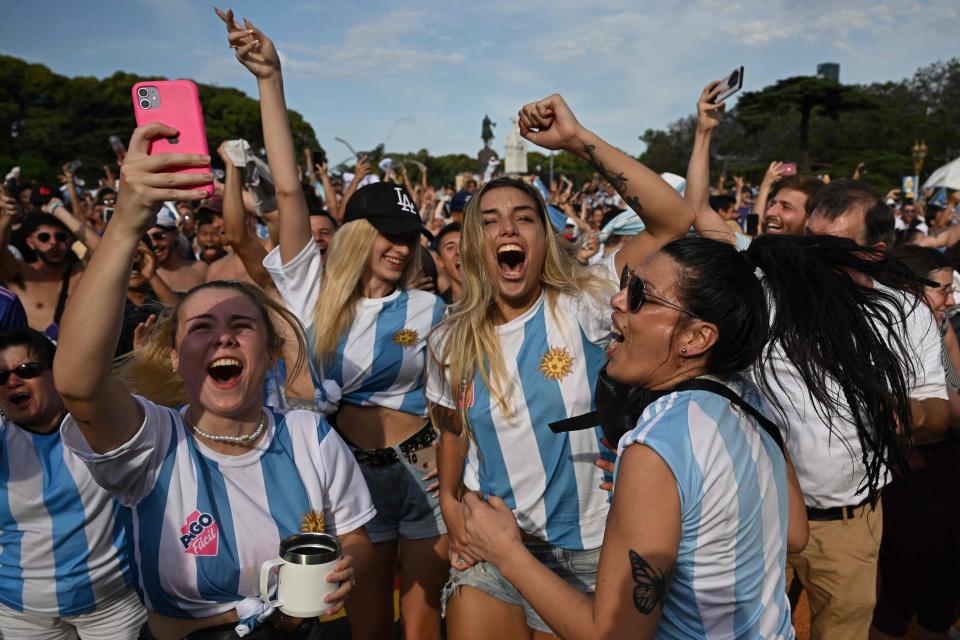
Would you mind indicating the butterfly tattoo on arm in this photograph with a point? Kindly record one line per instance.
(649, 583)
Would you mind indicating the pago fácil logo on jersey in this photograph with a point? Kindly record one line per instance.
(201, 536)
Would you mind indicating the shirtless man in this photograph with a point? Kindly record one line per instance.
(209, 241)
(51, 277)
(178, 272)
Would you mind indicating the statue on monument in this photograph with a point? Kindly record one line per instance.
(487, 133)
(487, 158)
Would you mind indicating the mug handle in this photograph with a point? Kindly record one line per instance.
(265, 569)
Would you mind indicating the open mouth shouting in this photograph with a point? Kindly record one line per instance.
(20, 398)
(773, 224)
(225, 372)
(616, 339)
(511, 258)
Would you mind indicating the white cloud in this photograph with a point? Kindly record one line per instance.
(384, 45)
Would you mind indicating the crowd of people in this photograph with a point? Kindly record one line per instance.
(644, 406)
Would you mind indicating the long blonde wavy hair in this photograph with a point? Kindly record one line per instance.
(469, 343)
(341, 289)
(146, 371)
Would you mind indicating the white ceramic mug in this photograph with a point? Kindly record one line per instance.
(306, 559)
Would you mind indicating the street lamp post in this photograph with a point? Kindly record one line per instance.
(919, 154)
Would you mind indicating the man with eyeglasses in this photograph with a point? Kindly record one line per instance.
(45, 283)
(178, 272)
(64, 560)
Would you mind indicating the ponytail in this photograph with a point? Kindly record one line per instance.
(837, 329)
(840, 330)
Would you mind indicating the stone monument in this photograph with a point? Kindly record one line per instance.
(515, 151)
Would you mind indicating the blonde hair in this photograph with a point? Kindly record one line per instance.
(146, 371)
(469, 343)
(341, 289)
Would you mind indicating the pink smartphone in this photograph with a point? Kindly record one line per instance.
(789, 169)
(175, 103)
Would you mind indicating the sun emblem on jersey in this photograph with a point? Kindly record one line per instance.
(312, 522)
(406, 338)
(556, 364)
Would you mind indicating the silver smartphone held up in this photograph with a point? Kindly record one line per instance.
(730, 85)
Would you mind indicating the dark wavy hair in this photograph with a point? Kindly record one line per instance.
(38, 345)
(837, 330)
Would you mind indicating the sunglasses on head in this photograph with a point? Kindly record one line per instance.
(44, 236)
(24, 371)
(637, 293)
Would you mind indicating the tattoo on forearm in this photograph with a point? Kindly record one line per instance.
(649, 583)
(617, 180)
(445, 419)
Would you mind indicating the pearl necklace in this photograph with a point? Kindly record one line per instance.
(250, 437)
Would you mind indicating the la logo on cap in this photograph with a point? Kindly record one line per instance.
(403, 201)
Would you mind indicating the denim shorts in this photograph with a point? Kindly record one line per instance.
(404, 506)
(577, 567)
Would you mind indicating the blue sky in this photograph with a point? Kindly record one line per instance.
(423, 74)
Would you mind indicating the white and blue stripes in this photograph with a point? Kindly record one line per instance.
(553, 356)
(204, 522)
(731, 478)
(380, 359)
(63, 539)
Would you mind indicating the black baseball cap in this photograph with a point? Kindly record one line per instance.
(388, 207)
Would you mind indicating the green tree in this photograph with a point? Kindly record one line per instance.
(47, 119)
(806, 96)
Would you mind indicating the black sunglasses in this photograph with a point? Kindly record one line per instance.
(157, 235)
(637, 293)
(44, 236)
(24, 371)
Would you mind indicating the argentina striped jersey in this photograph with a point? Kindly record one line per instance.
(380, 358)
(63, 539)
(731, 477)
(204, 522)
(553, 355)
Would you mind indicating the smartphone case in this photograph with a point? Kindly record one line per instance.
(731, 84)
(179, 108)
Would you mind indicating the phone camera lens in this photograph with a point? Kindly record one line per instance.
(142, 92)
(144, 104)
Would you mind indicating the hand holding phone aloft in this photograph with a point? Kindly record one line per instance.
(147, 181)
(709, 109)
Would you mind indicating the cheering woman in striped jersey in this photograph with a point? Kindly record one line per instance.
(521, 349)
(368, 336)
(215, 486)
